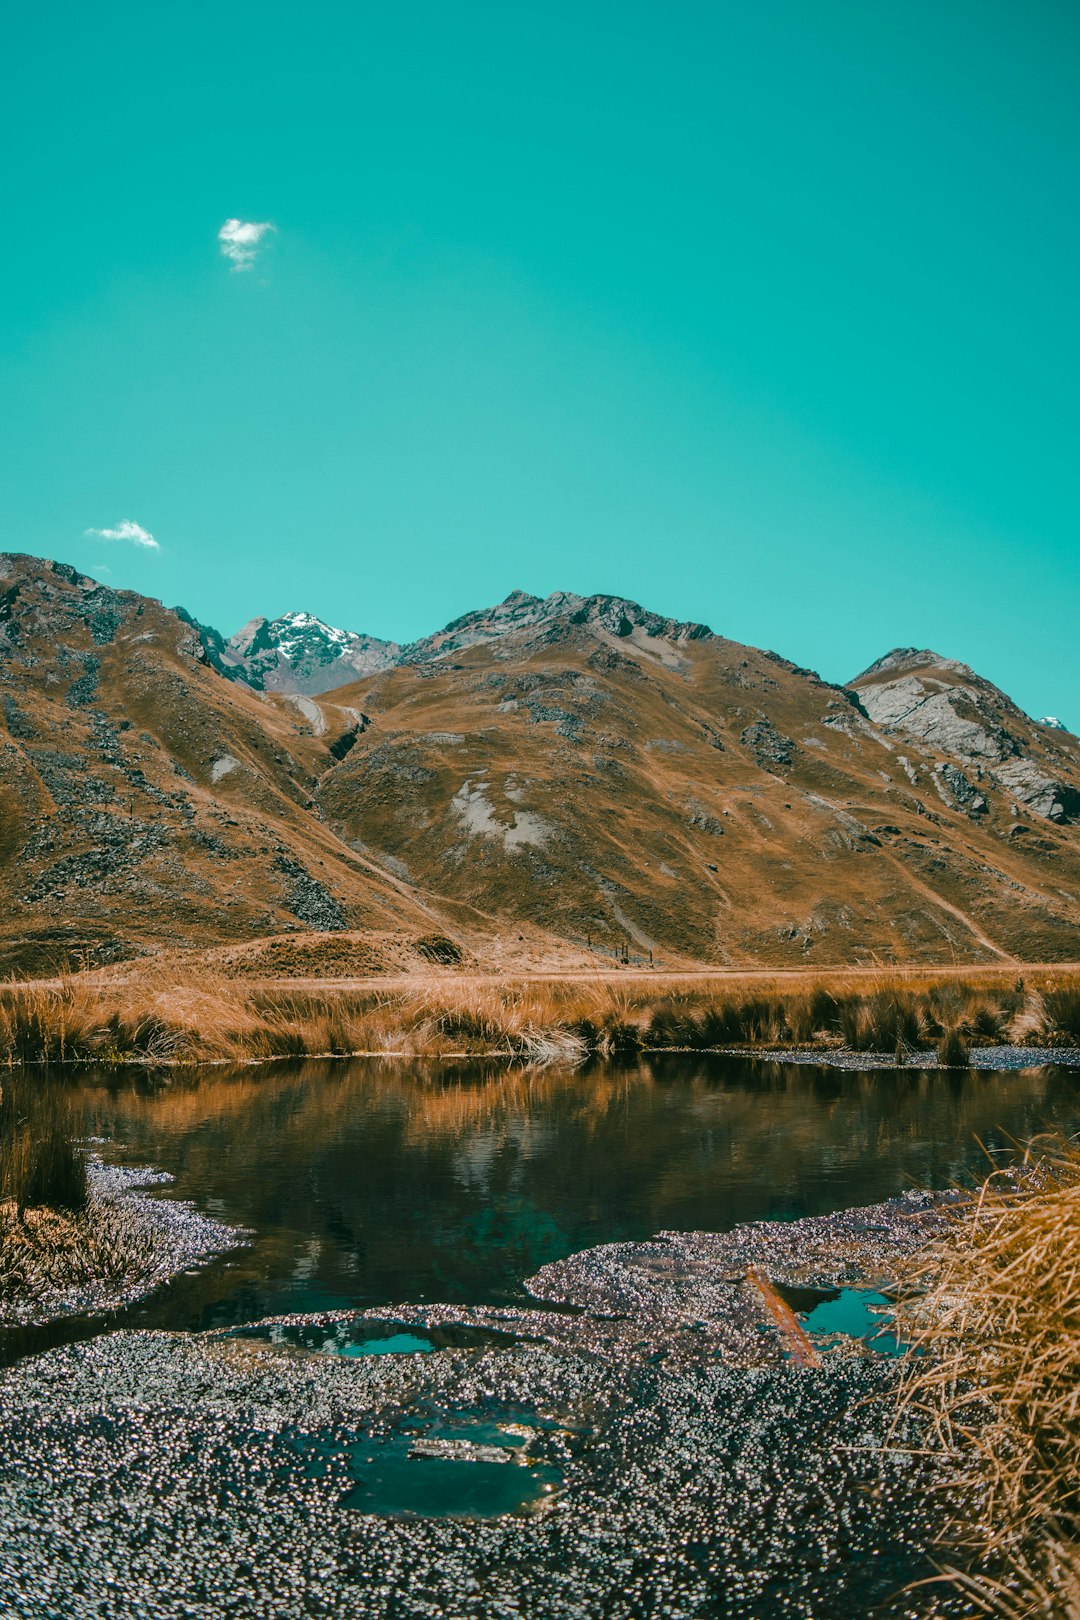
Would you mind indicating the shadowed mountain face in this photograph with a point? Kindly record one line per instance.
(575, 765)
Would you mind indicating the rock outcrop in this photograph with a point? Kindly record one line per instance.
(968, 722)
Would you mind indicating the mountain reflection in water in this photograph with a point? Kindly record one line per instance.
(373, 1181)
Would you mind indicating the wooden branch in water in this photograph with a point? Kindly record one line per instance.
(801, 1350)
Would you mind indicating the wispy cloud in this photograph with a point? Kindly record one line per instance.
(241, 240)
(126, 530)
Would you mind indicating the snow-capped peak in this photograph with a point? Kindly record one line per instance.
(298, 652)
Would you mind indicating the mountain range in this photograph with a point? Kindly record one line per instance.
(575, 770)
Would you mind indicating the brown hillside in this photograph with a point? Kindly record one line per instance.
(144, 799)
(615, 777)
(574, 771)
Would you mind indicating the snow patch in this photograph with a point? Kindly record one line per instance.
(222, 766)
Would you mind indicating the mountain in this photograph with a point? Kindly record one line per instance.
(298, 653)
(537, 615)
(566, 768)
(985, 739)
(145, 799)
(610, 775)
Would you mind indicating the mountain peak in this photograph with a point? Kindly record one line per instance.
(902, 659)
(299, 652)
(521, 612)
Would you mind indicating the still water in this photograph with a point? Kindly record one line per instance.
(372, 1182)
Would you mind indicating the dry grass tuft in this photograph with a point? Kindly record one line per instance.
(952, 1051)
(43, 1251)
(1061, 1015)
(192, 1011)
(995, 1370)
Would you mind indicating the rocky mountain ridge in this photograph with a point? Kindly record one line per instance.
(298, 653)
(945, 705)
(570, 769)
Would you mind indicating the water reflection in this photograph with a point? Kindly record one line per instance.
(370, 1182)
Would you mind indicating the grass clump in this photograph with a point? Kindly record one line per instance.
(994, 1368)
(190, 1010)
(952, 1051)
(1061, 1015)
(883, 1021)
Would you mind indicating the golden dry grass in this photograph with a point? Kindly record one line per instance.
(191, 1011)
(44, 1249)
(994, 1368)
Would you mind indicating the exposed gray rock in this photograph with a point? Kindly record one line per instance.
(18, 724)
(520, 612)
(769, 748)
(1042, 795)
(308, 900)
(703, 819)
(955, 789)
(83, 690)
(944, 717)
(950, 710)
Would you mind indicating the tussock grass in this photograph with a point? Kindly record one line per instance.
(994, 1369)
(192, 1012)
(1061, 1015)
(45, 1250)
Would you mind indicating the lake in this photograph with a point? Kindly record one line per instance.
(369, 1182)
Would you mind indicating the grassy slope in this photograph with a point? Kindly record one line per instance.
(663, 822)
(114, 832)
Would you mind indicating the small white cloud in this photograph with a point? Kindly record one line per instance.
(241, 239)
(126, 530)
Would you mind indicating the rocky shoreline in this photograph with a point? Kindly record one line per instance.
(1001, 1059)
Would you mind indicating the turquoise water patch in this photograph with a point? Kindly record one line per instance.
(368, 1336)
(395, 1479)
(354, 1337)
(858, 1313)
(398, 1344)
(454, 1468)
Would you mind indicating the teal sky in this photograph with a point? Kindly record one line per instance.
(761, 313)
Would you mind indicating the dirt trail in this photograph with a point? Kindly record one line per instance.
(663, 979)
(954, 911)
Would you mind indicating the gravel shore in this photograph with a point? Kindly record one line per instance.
(999, 1058)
